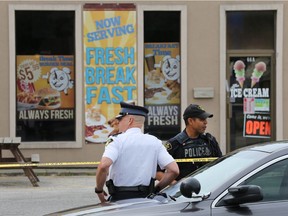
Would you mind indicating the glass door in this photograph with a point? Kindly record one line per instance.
(250, 99)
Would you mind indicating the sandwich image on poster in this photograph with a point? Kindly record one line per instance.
(49, 98)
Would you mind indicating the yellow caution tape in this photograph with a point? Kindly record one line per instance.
(196, 159)
(13, 165)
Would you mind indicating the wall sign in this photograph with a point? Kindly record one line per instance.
(45, 87)
(257, 125)
(109, 65)
(162, 88)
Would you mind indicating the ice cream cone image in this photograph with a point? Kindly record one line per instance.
(258, 71)
(239, 70)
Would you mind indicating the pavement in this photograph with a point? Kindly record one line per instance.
(59, 189)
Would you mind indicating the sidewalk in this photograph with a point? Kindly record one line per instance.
(59, 189)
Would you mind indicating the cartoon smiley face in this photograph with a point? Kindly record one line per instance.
(171, 67)
(60, 79)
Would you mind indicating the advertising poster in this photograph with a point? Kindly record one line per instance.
(45, 87)
(162, 91)
(109, 67)
(250, 95)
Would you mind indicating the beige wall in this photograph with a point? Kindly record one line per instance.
(203, 57)
(203, 48)
(285, 72)
(4, 70)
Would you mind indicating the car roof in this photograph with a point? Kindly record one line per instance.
(269, 147)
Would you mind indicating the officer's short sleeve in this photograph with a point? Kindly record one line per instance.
(164, 158)
(111, 149)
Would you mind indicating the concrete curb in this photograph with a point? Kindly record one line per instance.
(51, 171)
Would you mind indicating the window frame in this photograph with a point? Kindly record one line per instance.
(183, 50)
(78, 73)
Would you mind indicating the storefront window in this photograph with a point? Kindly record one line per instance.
(45, 75)
(162, 73)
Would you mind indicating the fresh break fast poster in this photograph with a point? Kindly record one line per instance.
(109, 67)
(45, 87)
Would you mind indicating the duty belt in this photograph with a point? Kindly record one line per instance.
(132, 189)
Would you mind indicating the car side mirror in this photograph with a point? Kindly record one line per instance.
(242, 194)
(190, 186)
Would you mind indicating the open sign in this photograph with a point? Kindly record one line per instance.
(257, 125)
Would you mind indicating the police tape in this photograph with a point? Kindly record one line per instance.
(195, 160)
(55, 164)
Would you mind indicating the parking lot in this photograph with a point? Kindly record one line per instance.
(57, 191)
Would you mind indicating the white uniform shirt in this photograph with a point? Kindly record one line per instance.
(135, 157)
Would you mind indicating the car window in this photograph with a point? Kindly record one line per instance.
(215, 174)
(207, 174)
(273, 180)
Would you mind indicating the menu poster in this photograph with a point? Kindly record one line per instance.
(162, 73)
(162, 91)
(109, 67)
(45, 87)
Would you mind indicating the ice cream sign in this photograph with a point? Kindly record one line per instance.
(239, 70)
(248, 79)
(249, 92)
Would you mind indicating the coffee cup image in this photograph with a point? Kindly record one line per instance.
(150, 60)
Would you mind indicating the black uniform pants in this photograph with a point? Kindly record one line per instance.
(121, 195)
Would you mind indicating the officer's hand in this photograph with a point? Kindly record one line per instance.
(101, 196)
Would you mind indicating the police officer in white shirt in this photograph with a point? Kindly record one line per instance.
(130, 159)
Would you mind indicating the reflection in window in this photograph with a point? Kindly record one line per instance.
(273, 180)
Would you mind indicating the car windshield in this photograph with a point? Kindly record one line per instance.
(234, 162)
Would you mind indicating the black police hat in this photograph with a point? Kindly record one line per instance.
(131, 109)
(196, 111)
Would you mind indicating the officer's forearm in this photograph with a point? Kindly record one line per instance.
(101, 175)
(102, 172)
(167, 179)
(172, 171)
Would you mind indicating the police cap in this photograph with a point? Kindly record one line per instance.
(131, 109)
(196, 111)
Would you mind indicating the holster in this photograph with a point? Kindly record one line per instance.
(152, 185)
(111, 187)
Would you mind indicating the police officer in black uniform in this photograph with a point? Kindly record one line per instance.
(192, 142)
